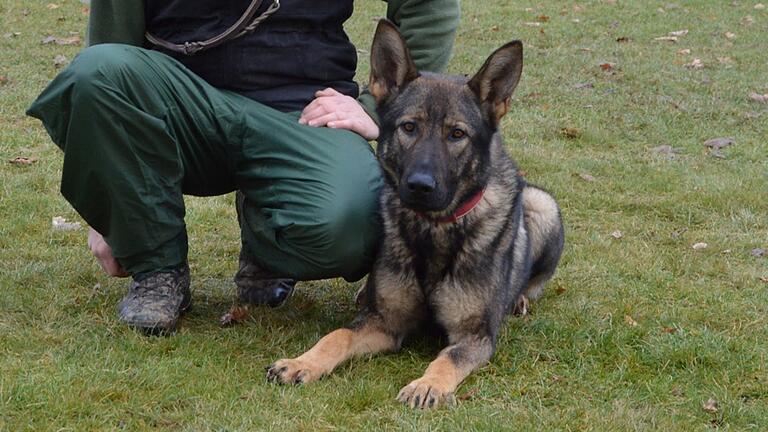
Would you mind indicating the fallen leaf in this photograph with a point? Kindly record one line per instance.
(678, 233)
(617, 234)
(59, 60)
(700, 246)
(570, 132)
(695, 64)
(74, 40)
(52, 6)
(759, 6)
(668, 330)
(630, 321)
(3, 80)
(623, 39)
(757, 97)
(678, 33)
(725, 60)
(758, 253)
(764, 279)
(729, 35)
(666, 39)
(665, 149)
(236, 314)
(495, 28)
(607, 66)
(685, 51)
(586, 177)
(578, 8)
(710, 406)
(581, 86)
(22, 160)
(748, 20)
(543, 18)
(717, 154)
(559, 290)
(719, 143)
(522, 173)
(61, 224)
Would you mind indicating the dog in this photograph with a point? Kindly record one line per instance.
(466, 239)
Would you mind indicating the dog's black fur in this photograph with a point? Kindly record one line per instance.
(463, 266)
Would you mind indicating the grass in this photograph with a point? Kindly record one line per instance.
(634, 333)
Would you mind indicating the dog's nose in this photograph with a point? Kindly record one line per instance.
(421, 183)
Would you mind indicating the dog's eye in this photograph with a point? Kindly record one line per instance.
(458, 134)
(408, 127)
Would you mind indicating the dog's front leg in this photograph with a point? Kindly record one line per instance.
(366, 337)
(446, 372)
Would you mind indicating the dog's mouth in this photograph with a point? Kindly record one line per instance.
(424, 201)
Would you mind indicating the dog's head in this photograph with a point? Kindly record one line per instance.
(436, 131)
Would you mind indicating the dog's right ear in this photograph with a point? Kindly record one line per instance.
(391, 64)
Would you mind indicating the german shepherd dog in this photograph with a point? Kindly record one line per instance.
(465, 238)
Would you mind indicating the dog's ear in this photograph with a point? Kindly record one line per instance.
(496, 80)
(391, 64)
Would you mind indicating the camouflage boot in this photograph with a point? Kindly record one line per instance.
(155, 303)
(255, 287)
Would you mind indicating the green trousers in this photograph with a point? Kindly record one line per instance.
(139, 130)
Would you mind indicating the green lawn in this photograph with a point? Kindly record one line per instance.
(634, 333)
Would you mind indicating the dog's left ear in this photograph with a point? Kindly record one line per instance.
(391, 64)
(496, 80)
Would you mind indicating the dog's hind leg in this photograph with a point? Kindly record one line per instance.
(545, 230)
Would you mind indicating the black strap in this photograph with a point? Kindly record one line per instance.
(246, 24)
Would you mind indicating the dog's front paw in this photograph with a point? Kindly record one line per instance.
(293, 371)
(426, 393)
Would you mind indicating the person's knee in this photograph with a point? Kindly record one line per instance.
(99, 65)
(343, 236)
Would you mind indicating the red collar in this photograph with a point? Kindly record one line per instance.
(460, 212)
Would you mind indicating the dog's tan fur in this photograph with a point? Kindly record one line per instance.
(464, 274)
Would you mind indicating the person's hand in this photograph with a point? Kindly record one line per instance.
(103, 254)
(337, 111)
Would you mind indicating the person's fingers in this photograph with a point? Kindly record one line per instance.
(327, 92)
(315, 109)
(323, 119)
(103, 254)
(365, 128)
